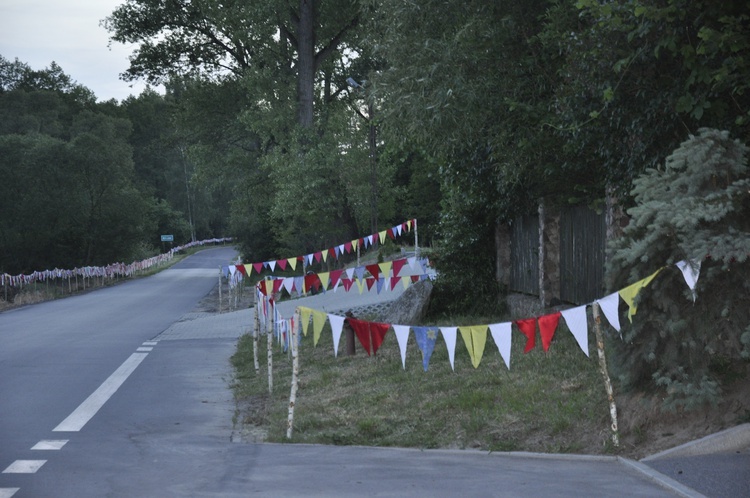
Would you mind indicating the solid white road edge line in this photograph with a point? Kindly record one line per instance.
(93, 403)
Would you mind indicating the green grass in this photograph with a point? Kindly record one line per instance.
(548, 402)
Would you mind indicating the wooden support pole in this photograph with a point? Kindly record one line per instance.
(220, 289)
(295, 374)
(256, 333)
(269, 340)
(605, 373)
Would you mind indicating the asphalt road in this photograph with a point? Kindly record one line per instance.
(124, 392)
(54, 355)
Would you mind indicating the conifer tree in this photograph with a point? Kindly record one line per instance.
(696, 208)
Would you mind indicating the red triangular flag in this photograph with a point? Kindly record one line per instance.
(335, 275)
(348, 247)
(282, 264)
(397, 265)
(258, 267)
(277, 285)
(374, 270)
(547, 327)
(528, 327)
(241, 269)
(370, 282)
(347, 283)
(390, 234)
(370, 334)
(394, 282)
(311, 281)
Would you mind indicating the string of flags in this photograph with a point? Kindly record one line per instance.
(371, 335)
(109, 271)
(378, 276)
(333, 252)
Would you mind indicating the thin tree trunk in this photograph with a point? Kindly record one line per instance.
(295, 374)
(306, 61)
(605, 373)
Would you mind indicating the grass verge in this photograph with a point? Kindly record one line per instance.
(546, 402)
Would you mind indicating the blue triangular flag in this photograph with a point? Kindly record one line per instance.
(426, 338)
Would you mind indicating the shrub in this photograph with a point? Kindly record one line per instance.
(697, 207)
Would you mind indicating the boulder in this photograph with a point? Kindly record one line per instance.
(411, 306)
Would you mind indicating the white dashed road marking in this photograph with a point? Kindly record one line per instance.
(93, 403)
(144, 350)
(49, 444)
(8, 492)
(24, 466)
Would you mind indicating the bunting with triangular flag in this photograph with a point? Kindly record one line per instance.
(370, 334)
(575, 319)
(610, 306)
(426, 338)
(528, 328)
(547, 327)
(337, 325)
(449, 336)
(629, 293)
(501, 334)
(402, 336)
(475, 338)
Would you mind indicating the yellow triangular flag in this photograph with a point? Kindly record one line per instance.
(354, 244)
(408, 223)
(304, 316)
(361, 284)
(325, 254)
(249, 269)
(293, 263)
(269, 287)
(406, 281)
(382, 236)
(319, 319)
(475, 337)
(324, 279)
(385, 268)
(629, 293)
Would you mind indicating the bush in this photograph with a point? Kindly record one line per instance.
(696, 208)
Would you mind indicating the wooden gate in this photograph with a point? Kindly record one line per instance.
(582, 252)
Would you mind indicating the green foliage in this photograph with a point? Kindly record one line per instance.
(694, 208)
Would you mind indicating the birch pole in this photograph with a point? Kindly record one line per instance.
(269, 339)
(220, 289)
(256, 333)
(295, 374)
(605, 373)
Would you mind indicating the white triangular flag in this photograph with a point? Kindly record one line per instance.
(501, 334)
(272, 265)
(337, 323)
(288, 284)
(610, 306)
(690, 270)
(449, 335)
(402, 335)
(350, 273)
(412, 261)
(576, 320)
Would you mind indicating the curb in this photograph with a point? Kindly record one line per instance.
(726, 441)
(661, 479)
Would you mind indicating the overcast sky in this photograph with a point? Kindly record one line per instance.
(38, 32)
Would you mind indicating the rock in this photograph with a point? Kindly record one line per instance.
(411, 307)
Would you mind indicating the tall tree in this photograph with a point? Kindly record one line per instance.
(212, 38)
